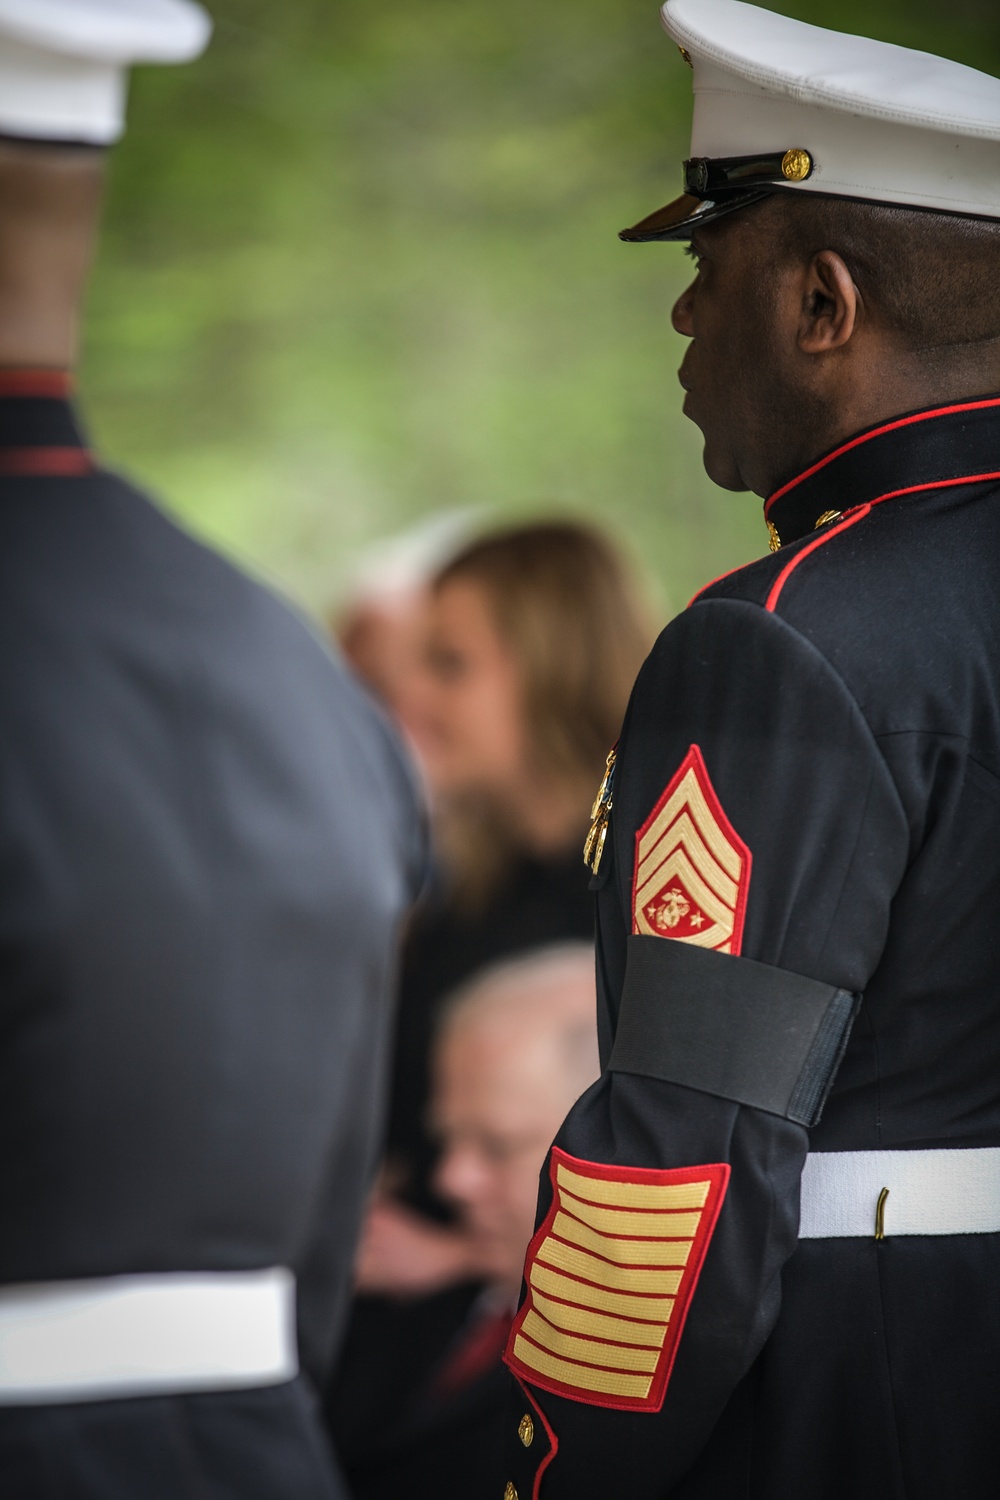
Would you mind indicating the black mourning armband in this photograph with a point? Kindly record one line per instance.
(731, 1027)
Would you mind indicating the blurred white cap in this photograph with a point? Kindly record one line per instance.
(64, 63)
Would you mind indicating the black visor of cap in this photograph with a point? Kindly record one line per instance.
(720, 185)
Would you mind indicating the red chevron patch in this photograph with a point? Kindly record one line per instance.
(692, 869)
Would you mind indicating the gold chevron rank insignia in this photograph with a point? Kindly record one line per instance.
(692, 869)
(610, 1277)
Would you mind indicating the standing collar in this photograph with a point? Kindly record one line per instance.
(923, 450)
(39, 433)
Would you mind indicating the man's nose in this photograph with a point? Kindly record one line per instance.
(458, 1176)
(681, 315)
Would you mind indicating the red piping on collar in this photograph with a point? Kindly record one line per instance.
(51, 383)
(860, 511)
(45, 461)
(864, 437)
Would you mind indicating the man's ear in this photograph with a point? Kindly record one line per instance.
(830, 305)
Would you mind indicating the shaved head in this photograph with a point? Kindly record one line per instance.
(931, 279)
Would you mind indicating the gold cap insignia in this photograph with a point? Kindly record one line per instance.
(611, 1273)
(796, 164)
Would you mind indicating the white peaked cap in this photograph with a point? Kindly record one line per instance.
(779, 104)
(64, 63)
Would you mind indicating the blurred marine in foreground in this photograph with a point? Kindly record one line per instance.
(769, 1239)
(207, 843)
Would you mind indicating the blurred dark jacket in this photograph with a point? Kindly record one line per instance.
(401, 1426)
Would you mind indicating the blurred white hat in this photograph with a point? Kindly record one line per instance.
(64, 63)
(782, 106)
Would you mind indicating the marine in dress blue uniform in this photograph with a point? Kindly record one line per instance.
(208, 842)
(768, 1239)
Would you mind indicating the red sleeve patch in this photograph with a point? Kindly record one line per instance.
(610, 1275)
(692, 869)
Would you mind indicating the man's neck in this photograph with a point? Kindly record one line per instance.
(877, 402)
(50, 200)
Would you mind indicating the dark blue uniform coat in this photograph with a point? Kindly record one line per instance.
(208, 840)
(844, 697)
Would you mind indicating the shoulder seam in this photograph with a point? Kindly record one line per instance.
(942, 734)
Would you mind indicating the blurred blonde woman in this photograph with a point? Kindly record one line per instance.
(534, 637)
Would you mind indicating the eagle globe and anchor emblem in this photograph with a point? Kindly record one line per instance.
(674, 914)
(692, 869)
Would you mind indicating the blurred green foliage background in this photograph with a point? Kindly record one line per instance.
(360, 264)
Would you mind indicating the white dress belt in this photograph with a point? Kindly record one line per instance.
(880, 1194)
(146, 1335)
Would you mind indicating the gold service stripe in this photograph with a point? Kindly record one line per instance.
(569, 1347)
(583, 1377)
(651, 1225)
(597, 1326)
(618, 1278)
(543, 1279)
(629, 1252)
(634, 1194)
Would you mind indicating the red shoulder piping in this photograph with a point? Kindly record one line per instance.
(706, 586)
(789, 568)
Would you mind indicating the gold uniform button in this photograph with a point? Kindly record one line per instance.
(526, 1430)
(796, 164)
(510, 1493)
